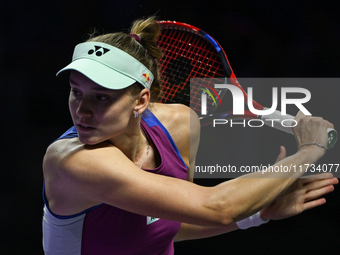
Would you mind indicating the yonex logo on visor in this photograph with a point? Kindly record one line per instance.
(108, 66)
(98, 50)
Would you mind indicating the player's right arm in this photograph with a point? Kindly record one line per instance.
(85, 176)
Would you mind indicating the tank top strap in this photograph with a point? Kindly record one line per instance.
(151, 120)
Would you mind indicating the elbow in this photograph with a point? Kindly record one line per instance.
(222, 209)
(225, 221)
(221, 214)
(225, 218)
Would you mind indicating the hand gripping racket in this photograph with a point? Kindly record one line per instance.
(190, 53)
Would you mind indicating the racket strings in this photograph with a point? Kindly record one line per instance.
(174, 69)
(176, 66)
(187, 55)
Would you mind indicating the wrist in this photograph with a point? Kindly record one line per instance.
(253, 221)
(311, 153)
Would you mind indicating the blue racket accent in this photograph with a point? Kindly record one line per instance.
(211, 40)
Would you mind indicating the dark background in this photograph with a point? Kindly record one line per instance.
(262, 39)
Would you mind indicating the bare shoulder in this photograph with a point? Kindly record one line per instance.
(164, 111)
(183, 125)
(67, 163)
(68, 155)
(175, 117)
(57, 152)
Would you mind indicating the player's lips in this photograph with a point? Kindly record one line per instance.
(84, 128)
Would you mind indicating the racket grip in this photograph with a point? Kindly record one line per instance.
(286, 122)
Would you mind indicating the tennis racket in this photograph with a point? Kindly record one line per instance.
(189, 52)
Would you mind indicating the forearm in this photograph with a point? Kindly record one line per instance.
(242, 197)
(190, 231)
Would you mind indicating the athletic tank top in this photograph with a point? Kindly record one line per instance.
(105, 229)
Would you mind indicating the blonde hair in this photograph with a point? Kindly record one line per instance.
(144, 50)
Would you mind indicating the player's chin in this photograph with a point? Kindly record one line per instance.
(89, 140)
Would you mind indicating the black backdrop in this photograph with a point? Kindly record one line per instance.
(262, 39)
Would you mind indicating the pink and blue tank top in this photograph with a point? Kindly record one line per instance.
(105, 229)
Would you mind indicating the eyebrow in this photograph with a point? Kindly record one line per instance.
(73, 82)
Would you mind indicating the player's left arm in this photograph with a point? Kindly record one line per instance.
(302, 195)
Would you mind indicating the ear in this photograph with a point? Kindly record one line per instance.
(142, 101)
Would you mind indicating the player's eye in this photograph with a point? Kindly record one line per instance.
(75, 92)
(102, 97)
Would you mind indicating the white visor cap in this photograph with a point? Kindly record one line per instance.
(108, 66)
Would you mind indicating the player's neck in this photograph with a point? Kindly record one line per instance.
(132, 143)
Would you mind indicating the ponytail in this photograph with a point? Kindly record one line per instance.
(144, 50)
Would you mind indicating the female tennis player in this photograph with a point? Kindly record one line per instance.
(118, 181)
